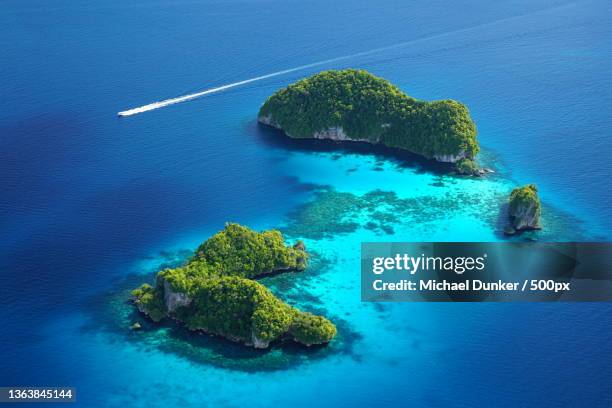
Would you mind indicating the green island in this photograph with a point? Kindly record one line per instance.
(354, 105)
(524, 209)
(215, 291)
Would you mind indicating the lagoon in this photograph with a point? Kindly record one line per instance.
(93, 205)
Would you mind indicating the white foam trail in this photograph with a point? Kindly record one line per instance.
(167, 102)
(161, 104)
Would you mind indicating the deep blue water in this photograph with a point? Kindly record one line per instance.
(91, 205)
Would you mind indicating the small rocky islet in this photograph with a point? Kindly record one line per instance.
(524, 210)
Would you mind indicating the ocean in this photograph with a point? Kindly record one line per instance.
(92, 205)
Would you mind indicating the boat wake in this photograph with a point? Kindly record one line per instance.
(185, 98)
(168, 102)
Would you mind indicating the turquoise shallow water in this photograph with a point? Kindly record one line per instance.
(92, 205)
(385, 354)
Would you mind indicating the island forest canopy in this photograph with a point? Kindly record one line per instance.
(370, 108)
(213, 290)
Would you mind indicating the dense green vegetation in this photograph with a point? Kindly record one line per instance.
(370, 108)
(216, 296)
(467, 167)
(150, 300)
(525, 197)
(311, 329)
(524, 209)
(237, 308)
(240, 251)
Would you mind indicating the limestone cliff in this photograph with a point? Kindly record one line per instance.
(524, 209)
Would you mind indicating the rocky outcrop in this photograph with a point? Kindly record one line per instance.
(337, 133)
(524, 210)
(525, 217)
(259, 343)
(174, 300)
(299, 245)
(468, 167)
(450, 158)
(267, 120)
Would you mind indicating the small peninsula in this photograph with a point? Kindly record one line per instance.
(215, 291)
(354, 105)
(524, 209)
